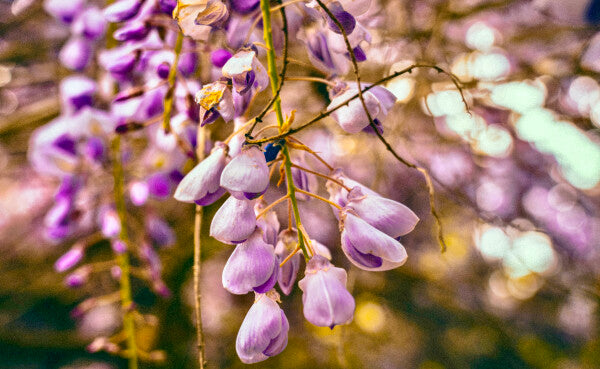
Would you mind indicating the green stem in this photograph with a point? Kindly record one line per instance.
(171, 81)
(272, 69)
(123, 259)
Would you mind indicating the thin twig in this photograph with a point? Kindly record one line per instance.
(271, 206)
(322, 176)
(380, 136)
(348, 100)
(275, 97)
(201, 142)
(319, 198)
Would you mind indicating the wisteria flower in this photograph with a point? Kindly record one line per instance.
(352, 117)
(264, 331)
(215, 101)
(251, 266)
(247, 174)
(389, 216)
(288, 271)
(234, 222)
(367, 247)
(326, 300)
(246, 72)
(201, 185)
(196, 17)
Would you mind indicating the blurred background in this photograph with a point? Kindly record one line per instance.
(516, 179)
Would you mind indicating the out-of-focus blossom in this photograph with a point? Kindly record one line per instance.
(352, 117)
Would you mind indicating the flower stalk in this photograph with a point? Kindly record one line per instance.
(123, 258)
(274, 78)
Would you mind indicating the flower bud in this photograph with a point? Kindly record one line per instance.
(76, 53)
(138, 193)
(264, 331)
(326, 300)
(285, 246)
(234, 222)
(219, 57)
(69, 259)
(90, 24)
(247, 174)
(251, 266)
(268, 223)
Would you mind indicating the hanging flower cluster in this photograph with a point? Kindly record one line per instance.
(149, 75)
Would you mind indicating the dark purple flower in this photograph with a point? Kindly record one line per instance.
(251, 266)
(247, 174)
(163, 69)
(219, 57)
(159, 231)
(234, 222)
(159, 185)
(264, 331)
(346, 19)
(326, 300)
(133, 30)
(66, 143)
(246, 72)
(64, 10)
(118, 61)
(122, 10)
(244, 6)
(167, 6)
(94, 148)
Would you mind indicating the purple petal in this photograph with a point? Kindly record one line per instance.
(234, 222)
(251, 265)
